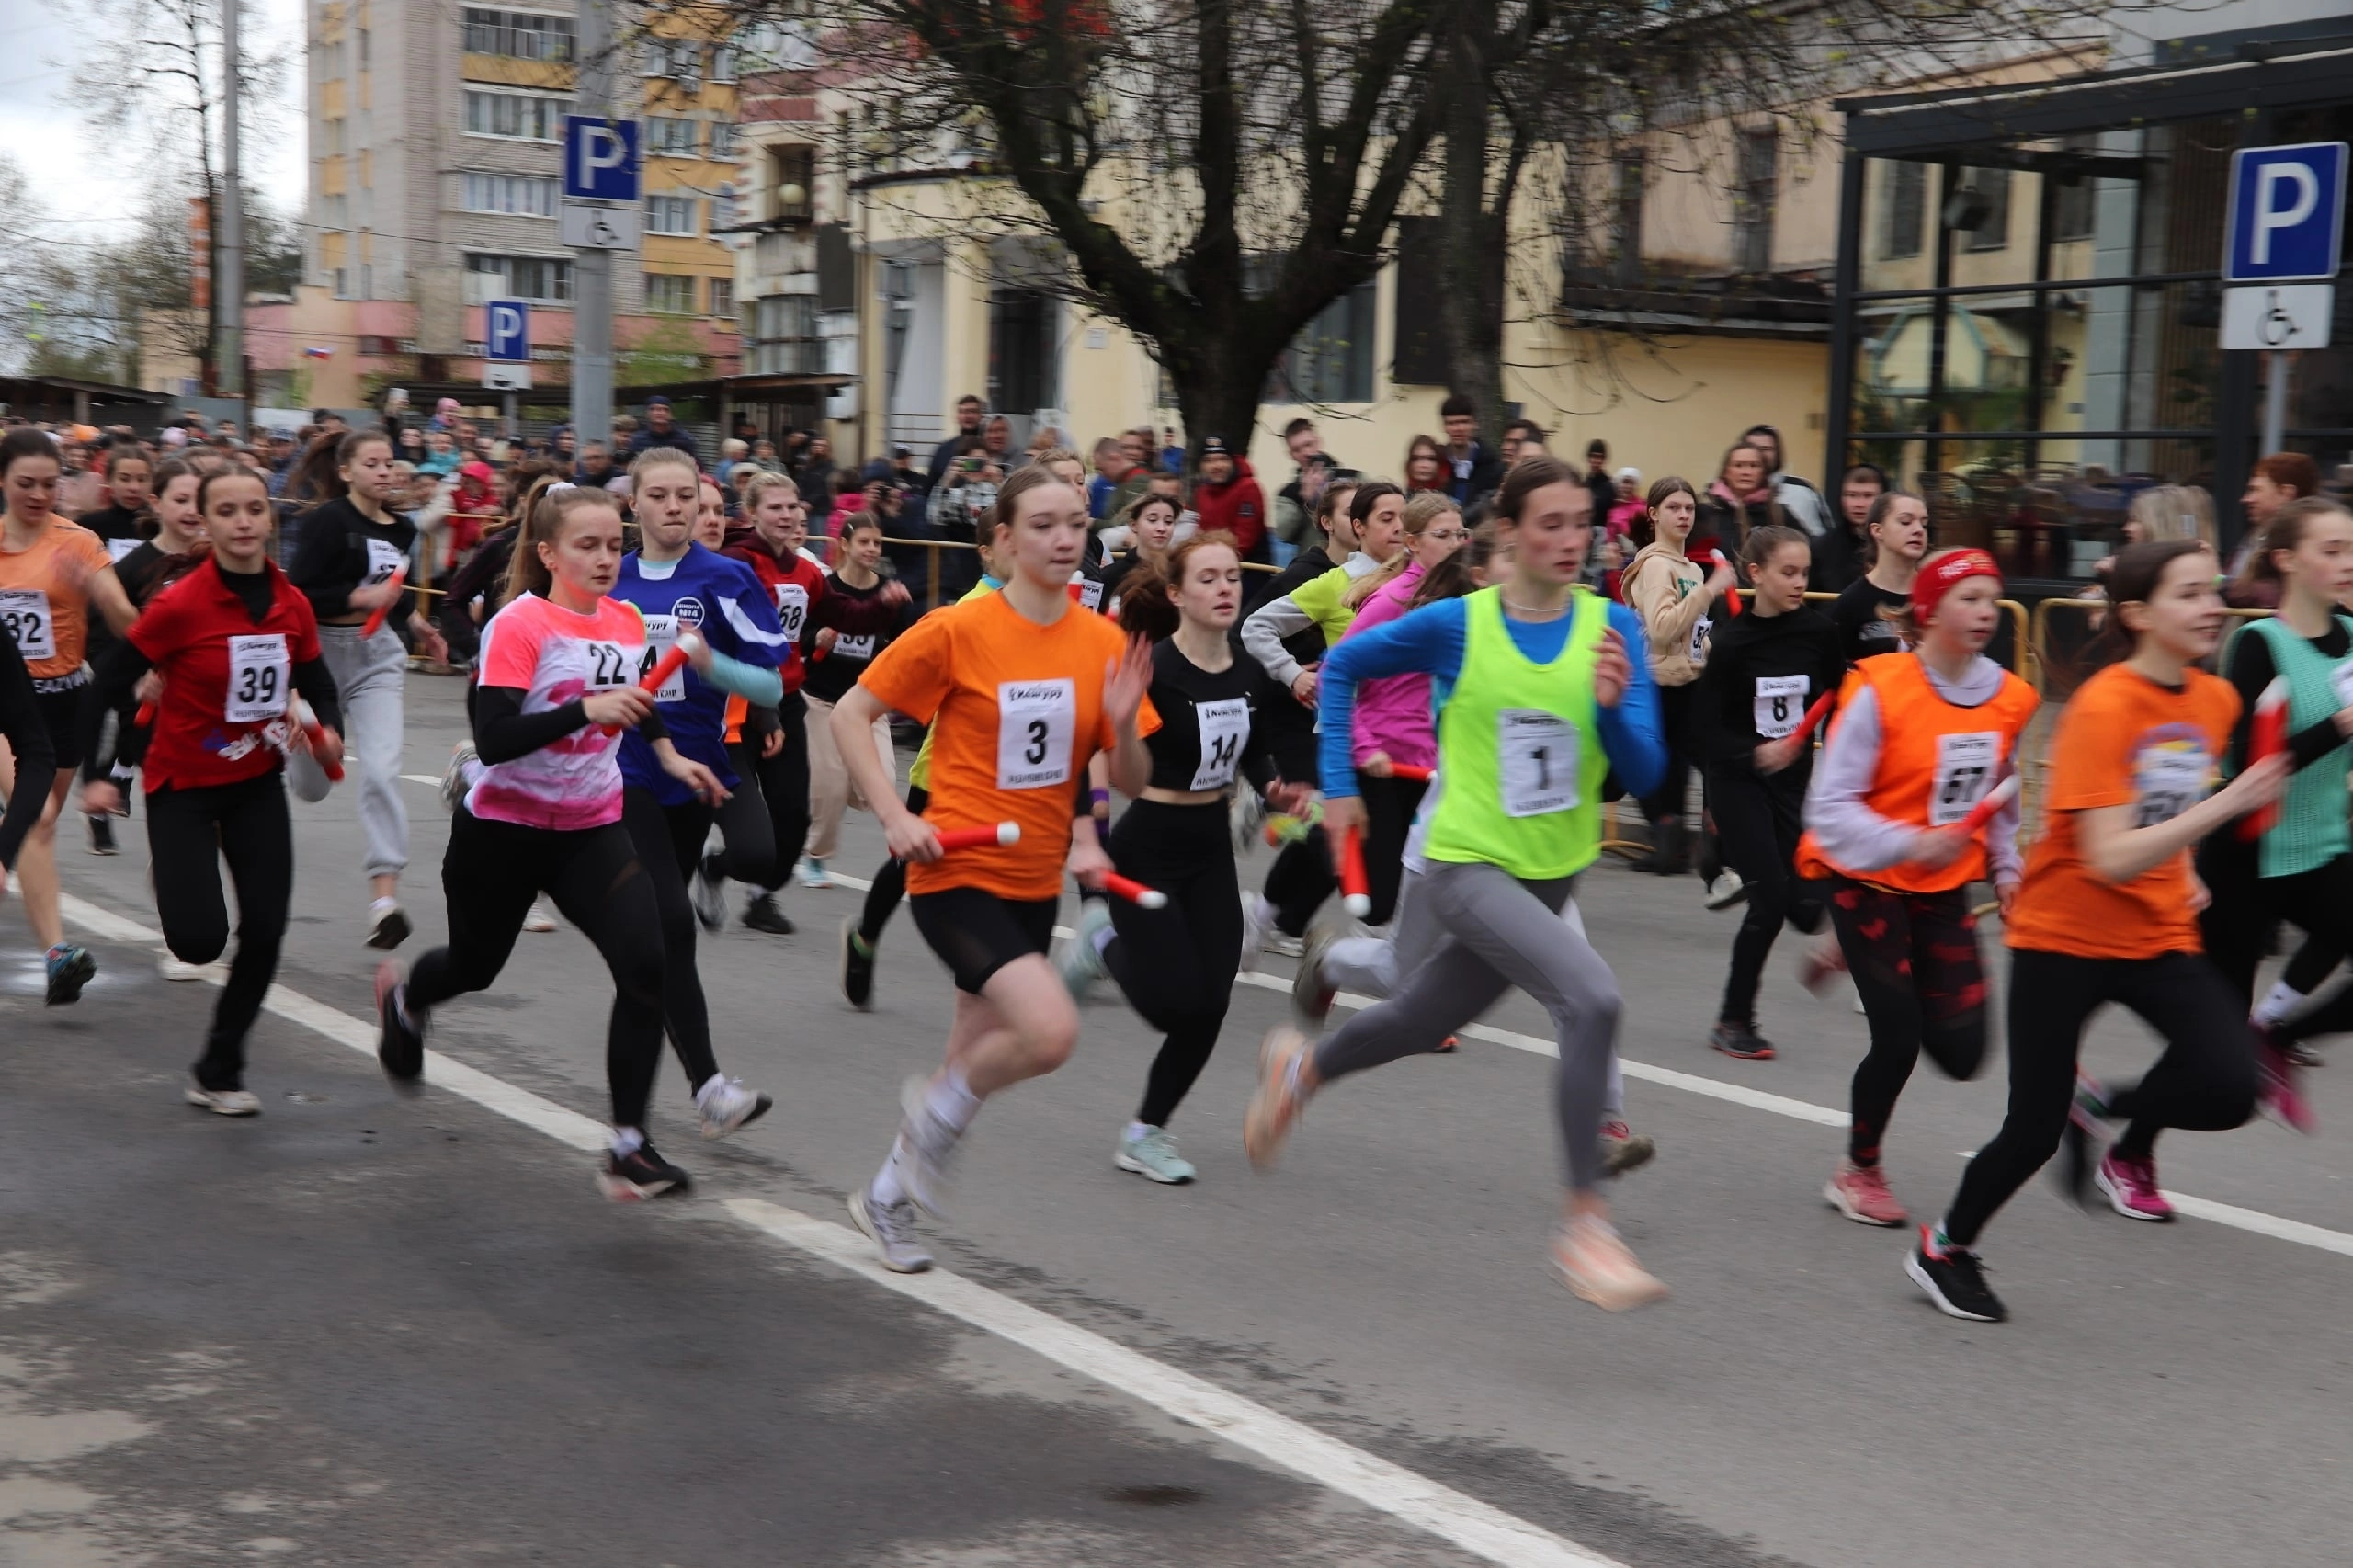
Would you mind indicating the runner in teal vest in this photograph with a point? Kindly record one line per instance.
(1538, 700)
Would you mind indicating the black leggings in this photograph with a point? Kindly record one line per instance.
(2205, 1079)
(890, 884)
(1667, 804)
(1299, 882)
(748, 839)
(1759, 818)
(784, 788)
(1176, 964)
(2246, 906)
(491, 873)
(1915, 963)
(188, 832)
(1389, 808)
(669, 840)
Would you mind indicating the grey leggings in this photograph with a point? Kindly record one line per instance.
(1369, 965)
(1496, 940)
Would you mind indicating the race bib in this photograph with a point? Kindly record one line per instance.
(258, 673)
(119, 547)
(1699, 630)
(854, 647)
(1035, 723)
(25, 613)
(2169, 778)
(1780, 704)
(1225, 725)
(661, 636)
(792, 609)
(1088, 592)
(609, 665)
(383, 560)
(1965, 767)
(1538, 753)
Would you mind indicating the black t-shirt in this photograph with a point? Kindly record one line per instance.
(120, 527)
(1208, 735)
(830, 679)
(146, 571)
(1763, 673)
(1099, 582)
(1864, 631)
(340, 550)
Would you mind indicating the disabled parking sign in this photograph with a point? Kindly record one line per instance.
(2287, 213)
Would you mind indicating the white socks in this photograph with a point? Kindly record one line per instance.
(2277, 1004)
(952, 1100)
(627, 1140)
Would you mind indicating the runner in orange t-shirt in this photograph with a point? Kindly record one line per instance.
(1022, 688)
(2109, 912)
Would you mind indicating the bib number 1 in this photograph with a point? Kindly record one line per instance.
(1036, 722)
(1965, 767)
(1539, 756)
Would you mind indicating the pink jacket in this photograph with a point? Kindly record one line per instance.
(1394, 713)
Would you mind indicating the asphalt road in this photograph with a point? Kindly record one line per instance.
(370, 1327)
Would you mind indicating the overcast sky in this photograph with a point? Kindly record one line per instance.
(84, 182)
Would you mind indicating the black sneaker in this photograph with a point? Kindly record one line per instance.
(1741, 1042)
(102, 836)
(1955, 1280)
(762, 915)
(388, 928)
(399, 1047)
(857, 967)
(642, 1174)
(708, 892)
(69, 968)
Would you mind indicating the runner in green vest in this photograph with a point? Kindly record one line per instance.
(1538, 700)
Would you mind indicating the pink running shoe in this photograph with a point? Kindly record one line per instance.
(1859, 1192)
(2276, 1088)
(2132, 1188)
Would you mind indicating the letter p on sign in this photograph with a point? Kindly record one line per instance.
(2287, 213)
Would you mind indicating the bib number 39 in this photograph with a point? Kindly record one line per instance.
(1965, 767)
(1036, 722)
(258, 669)
(1539, 756)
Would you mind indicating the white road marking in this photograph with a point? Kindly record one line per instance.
(422, 778)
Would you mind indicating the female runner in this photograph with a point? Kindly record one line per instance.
(1151, 523)
(232, 641)
(120, 524)
(1176, 964)
(52, 575)
(177, 548)
(1545, 701)
(1024, 688)
(680, 587)
(1918, 741)
(345, 557)
(1896, 537)
(1766, 668)
(1675, 598)
(857, 594)
(560, 665)
(2108, 911)
(26, 732)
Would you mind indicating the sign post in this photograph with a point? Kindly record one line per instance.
(600, 170)
(2286, 226)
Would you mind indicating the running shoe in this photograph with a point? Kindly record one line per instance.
(1623, 1149)
(456, 777)
(1740, 1041)
(102, 836)
(857, 967)
(2277, 1090)
(1597, 1266)
(708, 894)
(171, 968)
(1726, 890)
(893, 1231)
(1081, 963)
(1244, 817)
(762, 915)
(2300, 1053)
(1257, 919)
(223, 1102)
(69, 969)
(2087, 1108)
(400, 1044)
(1310, 997)
(1283, 945)
(812, 873)
(541, 918)
(1955, 1280)
(925, 1145)
(639, 1174)
(2130, 1187)
(1275, 1104)
(387, 925)
(1818, 964)
(1859, 1192)
(723, 1104)
(1448, 1046)
(1152, 1155)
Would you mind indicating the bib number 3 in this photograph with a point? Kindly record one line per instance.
(1539, 756)
(258, 671)
(1965, 767)
(1036, 722)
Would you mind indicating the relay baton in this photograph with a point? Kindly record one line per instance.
(1133, 891)
(2267, 736)
(1353, 883)
(1981, 814)
(1814, 715)
(300, 711)
(145, 716)
(1732, 599)
(952, 839)
(669, 664)
(376, 616)
(1406, 770)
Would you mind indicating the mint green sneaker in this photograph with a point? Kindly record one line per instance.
(1152, 1155)
(1081, 964)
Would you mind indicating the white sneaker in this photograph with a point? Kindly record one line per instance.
(812, 873)
(1081, 962)
(1285, 945)
(723, 1104)
(893, 1231)
(223, 1102)
(541, 918)
(1257, 919)
(171, 968)
(708, 890)
(1726, 890)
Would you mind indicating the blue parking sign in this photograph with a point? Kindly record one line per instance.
(2287, 213)
(599, 159)
(506, 327)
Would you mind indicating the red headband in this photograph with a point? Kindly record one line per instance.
(1938, 577)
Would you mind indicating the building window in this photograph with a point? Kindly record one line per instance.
(669, 137)
(670, 215)
(363, 48)
(1022, 365)
(1331, 360)
(1991, 188)
(669, 294)
(723, 63)
(331, 141)
(726, 140)
(792, 178)
(785, 341)
(523, 195)
(722, 296)
(676, 60)
(521, 35)
(523, 117)
(1755, 197)
(1626, 221)
(540, 280)
(1907, 208)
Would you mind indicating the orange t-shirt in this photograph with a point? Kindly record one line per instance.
(2123, 741)
(49, 623)
(1019, 711)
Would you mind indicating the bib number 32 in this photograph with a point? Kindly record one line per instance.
(1539, 756)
